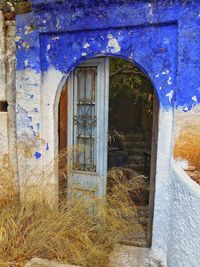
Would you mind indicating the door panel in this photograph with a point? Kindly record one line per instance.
(63, 143)
(87, 128)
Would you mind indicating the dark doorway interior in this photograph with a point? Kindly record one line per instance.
(131, 114)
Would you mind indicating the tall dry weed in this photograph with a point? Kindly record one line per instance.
(70, 234)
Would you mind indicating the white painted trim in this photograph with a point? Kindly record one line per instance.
(163, 184)
(52, 83)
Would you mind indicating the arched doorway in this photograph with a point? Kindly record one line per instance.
(108, 106)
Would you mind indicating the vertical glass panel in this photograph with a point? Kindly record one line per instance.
(85, 118)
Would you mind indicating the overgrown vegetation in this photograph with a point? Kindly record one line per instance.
(33, 227)
(128, 79)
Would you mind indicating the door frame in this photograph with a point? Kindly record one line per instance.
(67, 106)
(153, 164)
(63, 119)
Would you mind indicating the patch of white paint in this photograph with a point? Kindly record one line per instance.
(26, 62)
(58, 26)
(157, 75)
(170, 95)
(181, 163)
(113, 44)
(164, 72)
(194, 98)
(84, 54)
(86, 45)
(169, 81)
(56, 38)
(161, 222)
(150, 12)
(48, 47)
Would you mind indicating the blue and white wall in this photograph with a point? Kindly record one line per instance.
(161, 37)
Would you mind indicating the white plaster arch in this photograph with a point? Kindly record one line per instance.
(51, 86)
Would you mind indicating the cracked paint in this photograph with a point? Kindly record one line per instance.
(67, 33)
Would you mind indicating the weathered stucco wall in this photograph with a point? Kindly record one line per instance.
(161, 37)
(184, 242)
(3, 115)
(119, 16)
(7, 88)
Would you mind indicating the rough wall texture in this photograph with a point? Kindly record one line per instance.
(64, 24)
(2, 58)
(3, 115)
(161, 37)
(7, 87)
(184, 242)
(10, 60)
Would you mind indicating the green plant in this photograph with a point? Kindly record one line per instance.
(127, 79)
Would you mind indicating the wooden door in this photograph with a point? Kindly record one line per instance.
(87, 123)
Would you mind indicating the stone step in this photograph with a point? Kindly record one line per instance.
(118, 153)
(134, 137)
(132, 256)
(137, 167)
(135, 151)
(136, 159)
(134, 144)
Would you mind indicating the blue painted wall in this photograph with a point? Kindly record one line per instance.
(162, 37)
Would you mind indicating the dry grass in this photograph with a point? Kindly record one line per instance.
(33, 228)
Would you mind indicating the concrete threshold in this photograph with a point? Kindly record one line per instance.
(128, 256)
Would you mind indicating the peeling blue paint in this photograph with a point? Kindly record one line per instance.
(47, 147)
(24, 122)
(161, 37)
(37, 155)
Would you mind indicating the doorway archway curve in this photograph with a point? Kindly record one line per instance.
(160, 68)
(66, 100)
(82, 59)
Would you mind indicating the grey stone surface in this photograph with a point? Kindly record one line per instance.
(38, 262)
(127, 256)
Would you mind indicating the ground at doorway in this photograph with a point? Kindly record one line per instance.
(128, 256)
(37, 262)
